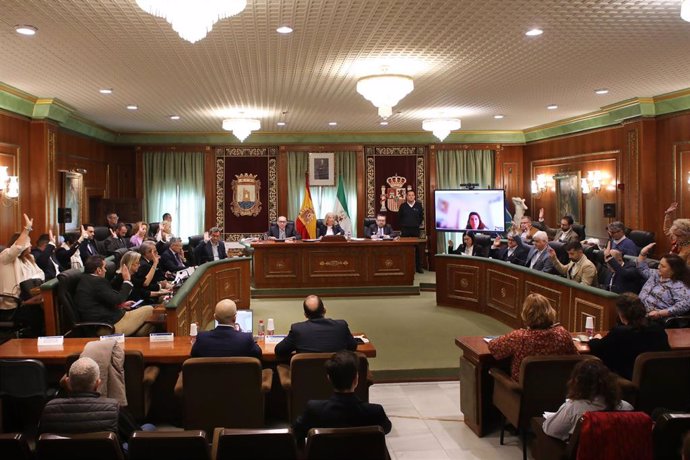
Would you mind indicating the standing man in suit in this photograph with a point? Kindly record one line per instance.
(172, 259)
(343, 409)
(512, 253)
(225, 340)
(44, 254)
(283, 230)
(97, 302)
(410, 218)
(317, 334)
(211, 249)
(566, 233)
(621, 275)
(537, 255)
(378, 230)
(88, 248)
(116, 240)
(580, 269)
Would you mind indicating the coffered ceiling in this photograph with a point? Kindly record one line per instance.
(468, 58)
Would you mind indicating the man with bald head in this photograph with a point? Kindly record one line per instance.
(225, 340)
(317, 334)
(283, 230)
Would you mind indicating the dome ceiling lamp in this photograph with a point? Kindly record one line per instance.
(385, 90)
(441, 127)
(241, 127)
(192, 20)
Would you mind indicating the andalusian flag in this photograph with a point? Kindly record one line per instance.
(306, 221)
(341, 210)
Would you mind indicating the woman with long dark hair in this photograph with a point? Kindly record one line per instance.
(474, 222)
(667, 289)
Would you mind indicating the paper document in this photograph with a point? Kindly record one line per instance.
(274, 338)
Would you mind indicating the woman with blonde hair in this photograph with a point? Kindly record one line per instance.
(329, 226)
(132, 260)
(541, 336)
(679, 232)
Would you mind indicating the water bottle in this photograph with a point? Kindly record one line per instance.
(261, 330)
(348, 235)
(193, 331)
(589, 326)
(270, 329)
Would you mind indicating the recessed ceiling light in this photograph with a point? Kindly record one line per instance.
(106, 91)
(498, 117)
(25, 29)
(552, 107)
(284, 30)
(174, 117)
(601, 91)
(281, 123)
(383, 123)
(132, 107)
(332, 123)
(534, 32)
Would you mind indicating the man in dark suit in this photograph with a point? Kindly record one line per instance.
(97, 302)
(225, 340)
(621, 275)
(111, 220)
(88, 248)
(538, 255)
(512, 253)
(410, 218)
(211, 249)
(283, 230)
(172, 259)
(317, 334)
(343, 409)
(379, 229)
(44, 253)
(116, 240)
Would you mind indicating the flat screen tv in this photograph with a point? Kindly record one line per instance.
(462, 210)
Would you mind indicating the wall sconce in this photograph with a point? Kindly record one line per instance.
(9, 188)
(592, 183)
(688, 181)
(539, 186)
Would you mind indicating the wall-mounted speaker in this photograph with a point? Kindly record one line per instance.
(64, 215)
(609, 209)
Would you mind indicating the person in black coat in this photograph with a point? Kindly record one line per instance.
(468, 246)
(149, 279)
(512, 253)
(64, 253)
(317, 334)
(116, 240)
(172, 259)
(211, 249)
(225, 340)
(379, 229)
(282, 230)
(621, 346)
(329, 223)
(621, 275)
(343, 409)
(44, 254)
(410, 218)
(88, 247)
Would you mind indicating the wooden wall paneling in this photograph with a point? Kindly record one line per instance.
(14, 132)
(508, 174)
(10, 214)
(283, 193)
(42, 204)
(681, 179)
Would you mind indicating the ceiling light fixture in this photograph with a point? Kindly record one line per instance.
(601, 91)
(332, 123)
(106, 91)
(685, 10)
(385, 90)
(174, 117)
(383, 123)
(534, 32)
(25, 29)
(132, 107)
(499, 117)
(441, 127)
(241, 127)
(281, 123)
(552, 107)
(284, 30)
(192, 20)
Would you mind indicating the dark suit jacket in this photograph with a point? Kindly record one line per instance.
(543, 264)
(138, 278)
(225, 341)
(322, 229)
(373, 229)
(342, 410)
(519, 256)
(63, 256)
(626, 279)
(170, 263)
(290, 232)
(410, 218)
(87, 248)
(320, 335)
(113, 244)
(204, 253)
(96, 301)
(45, 259)
(476, 250)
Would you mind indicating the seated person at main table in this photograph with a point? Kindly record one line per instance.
(282, 230)
(468, 246)
(379, 229)
(329, 226)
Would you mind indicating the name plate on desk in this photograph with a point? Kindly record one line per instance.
(274, 339)
(119, 338)
(162, 337)
(51, 341)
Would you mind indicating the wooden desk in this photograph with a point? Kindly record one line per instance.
(476, 385)
(154, 353)
(325, 264)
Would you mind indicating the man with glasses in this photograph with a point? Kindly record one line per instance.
(213, 248)
(619, 241)
(282, 231)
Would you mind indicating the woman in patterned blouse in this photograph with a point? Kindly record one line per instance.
(542, 336)
(667, 290)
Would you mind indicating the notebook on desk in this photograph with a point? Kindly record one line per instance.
(245, 321)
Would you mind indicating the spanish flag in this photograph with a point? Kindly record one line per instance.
(306, 221)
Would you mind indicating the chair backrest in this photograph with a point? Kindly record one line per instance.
(483, 242)
(117, 255)
(22, 378)
(169, 445)
(247, 444)
(222, 392)
(668, 434)
(561, 253)
(641, 237)
(101, 233)
(368, 222)
(543, 380)
(67, 287)
(346, 443)
(308, 380)
(608, 435)
(101, 445)
(14, 446)
(580, 230)
(663, 380)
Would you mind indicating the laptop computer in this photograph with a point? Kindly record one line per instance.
(245, 321)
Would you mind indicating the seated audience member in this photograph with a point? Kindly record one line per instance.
(139, 232)
(67, 254)
(541, 336)
(527, 232)
(329, 226)
(167, 217)
(88, 247)
(666, 291)
(211, 249)
(580, 269)
(621, 275)
(537, 255)
(225, 340)
(592, 387)
(616, 231)
(116, 240)
(566, 233)
(84, 410)
(149, 279)
(44, 255)
(164, 231)
(474, 222)
(379, 229)
(112, 220)
(282, 230)
(467, 247)
(512, 253)
(317, 334)
(635, 335)
(97, 302)
(679, 232)
(172, 259)
(343, 409)
(132, 260)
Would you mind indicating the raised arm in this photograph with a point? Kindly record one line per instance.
(668, 220)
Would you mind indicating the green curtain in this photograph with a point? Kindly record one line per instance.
(174, 183)
(455, 167)
(324, 198)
